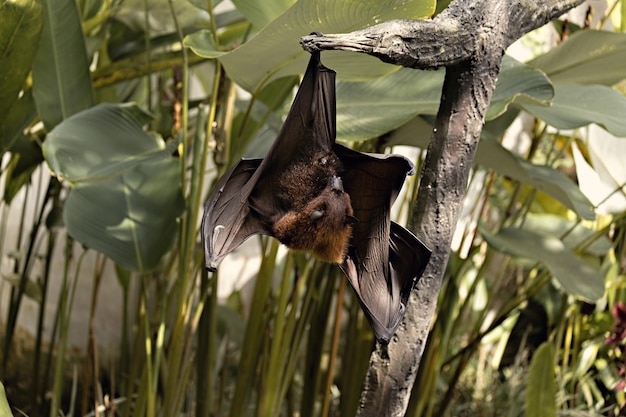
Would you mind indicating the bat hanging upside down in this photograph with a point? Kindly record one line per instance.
(315, 195)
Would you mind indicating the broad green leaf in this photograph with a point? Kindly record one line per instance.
(203, 44)
(131, 217)
(18, 117)
(275, 51)
(101, 141)
(26, 157)
(578, 105)
(407, 92)
(575, 276)
(575, 234)
(367, 109)
(541, 386)
(61, 79)
(126, 195)
(602, 182)
(260, 13)
(588, 356)
(5, 409)
(518, 82)
(491, 154)
(587, 57)
(416, 132)
(20, 26)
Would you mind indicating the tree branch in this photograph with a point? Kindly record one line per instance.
(447, 39)
(469, 39)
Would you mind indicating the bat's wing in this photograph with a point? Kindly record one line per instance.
(307, 133)
(248, 198)
(228, 220)
(384, 259)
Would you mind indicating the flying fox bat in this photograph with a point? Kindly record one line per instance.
(315, 195)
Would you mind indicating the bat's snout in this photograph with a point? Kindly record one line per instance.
(335, 184)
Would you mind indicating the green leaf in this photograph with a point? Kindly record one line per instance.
(367, 109)
(541, 391)
(587, 57)
(5, 409)
(18, 117)
(521, 83)
(26, 157)
(203, 44)
(578, 105)
(491, 154)
(575, 276)
(275, 51)
(100, 142)
(575, 234)
(260, 13)
(131, 217)
(602, 181)
(408, 92)
(61, 79)
(126, 196)
(20, 25)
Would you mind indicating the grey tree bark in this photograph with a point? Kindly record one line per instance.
(468, 39)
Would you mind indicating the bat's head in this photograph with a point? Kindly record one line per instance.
(323, 227)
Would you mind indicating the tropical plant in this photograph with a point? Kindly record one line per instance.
(136, 108)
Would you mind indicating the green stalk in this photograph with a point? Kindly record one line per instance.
(207, 333)
(253, 338)
(149, 381)
(65, 308)
(276, 355)
(334, 348)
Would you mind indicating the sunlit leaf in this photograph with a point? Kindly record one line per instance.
(604, 182)
(491, 154)
(367, 109)
(408, 92)
(541, 391)
(61, 79)
(19, 116)
(574, 275)
(578, 105)
(5, 409)
(20, 25)
(260, 13)
(275, 51)
(575, 234)
(587, 57)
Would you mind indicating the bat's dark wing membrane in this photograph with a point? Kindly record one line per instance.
(384, 260)
(309, 129)
(228, 220)
(244, 201)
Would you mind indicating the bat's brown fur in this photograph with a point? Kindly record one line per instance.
(323, 227)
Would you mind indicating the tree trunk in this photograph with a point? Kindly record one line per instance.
(468, 39)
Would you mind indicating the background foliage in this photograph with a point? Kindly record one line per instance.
(137, 107)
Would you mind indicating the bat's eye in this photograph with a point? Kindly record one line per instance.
(323, 161)
(351, 220)
(316, 215)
